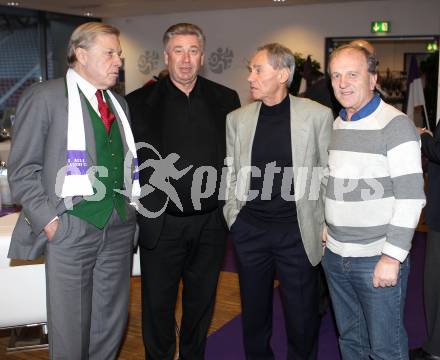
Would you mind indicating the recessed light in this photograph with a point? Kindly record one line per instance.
(12, 3)
(88, 13)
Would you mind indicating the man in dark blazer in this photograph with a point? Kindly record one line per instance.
(180, 121)
(66, 165)
(275, 205)
(431, 149)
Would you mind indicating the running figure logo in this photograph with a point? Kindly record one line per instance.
(164, 169)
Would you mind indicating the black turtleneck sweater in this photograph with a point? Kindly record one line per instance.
(272, 144)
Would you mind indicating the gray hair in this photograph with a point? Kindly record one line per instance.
(370, 58)
(280, 57)
(84, 36)
(184, 29)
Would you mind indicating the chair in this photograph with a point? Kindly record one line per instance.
(23, 293)
(23, 289)
(136, 267)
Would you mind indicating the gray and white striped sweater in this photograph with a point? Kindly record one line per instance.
(375, 189)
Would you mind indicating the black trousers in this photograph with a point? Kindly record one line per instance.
(432, 292)
(190, 248)
(260, 254)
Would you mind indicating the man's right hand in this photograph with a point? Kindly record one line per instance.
(424, 130)
(51, 228)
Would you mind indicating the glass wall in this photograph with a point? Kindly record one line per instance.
(32, 48)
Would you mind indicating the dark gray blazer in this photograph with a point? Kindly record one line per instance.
(38, 152)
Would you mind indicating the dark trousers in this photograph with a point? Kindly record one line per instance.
(190, 248)
(260, 254)
(432, 292)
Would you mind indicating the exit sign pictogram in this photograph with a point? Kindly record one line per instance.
(378, 27)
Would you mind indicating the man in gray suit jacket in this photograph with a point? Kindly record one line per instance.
(66, 164)
(277, 149)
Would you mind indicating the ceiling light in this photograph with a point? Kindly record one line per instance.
(279, 0)
(12, 3)
(88, 13)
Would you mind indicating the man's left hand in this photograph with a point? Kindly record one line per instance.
(386, 272)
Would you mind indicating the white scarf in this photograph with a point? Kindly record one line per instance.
(76, 181)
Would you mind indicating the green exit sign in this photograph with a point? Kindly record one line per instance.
(378, 27)
(432, 46)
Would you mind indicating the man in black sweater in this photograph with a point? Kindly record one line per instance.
(181, 122)
(276, 216)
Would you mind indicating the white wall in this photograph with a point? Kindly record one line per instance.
(391, 55)
(302, 28)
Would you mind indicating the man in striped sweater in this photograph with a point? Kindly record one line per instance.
(373, 203)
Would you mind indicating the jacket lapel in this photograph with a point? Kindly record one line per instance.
(299, 133)
(151, 108)
(246, 131)
(121, 127)
(89, 134)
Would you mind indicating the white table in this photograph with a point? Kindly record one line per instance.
(22, 286)
(5, 147)
(7, 224)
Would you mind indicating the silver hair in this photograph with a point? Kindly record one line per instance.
(184, 29)
(369, 57)
(280, 57)
(84, 36)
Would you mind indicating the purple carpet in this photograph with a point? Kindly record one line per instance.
(226, 343)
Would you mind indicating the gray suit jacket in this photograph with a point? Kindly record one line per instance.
(311, 126)
(38, 152)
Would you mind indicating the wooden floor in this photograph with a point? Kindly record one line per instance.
(227, 307)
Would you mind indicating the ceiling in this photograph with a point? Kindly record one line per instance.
(118, 8)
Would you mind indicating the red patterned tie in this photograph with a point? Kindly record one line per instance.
(106, 115)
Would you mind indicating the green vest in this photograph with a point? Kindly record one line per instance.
(109, 154)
